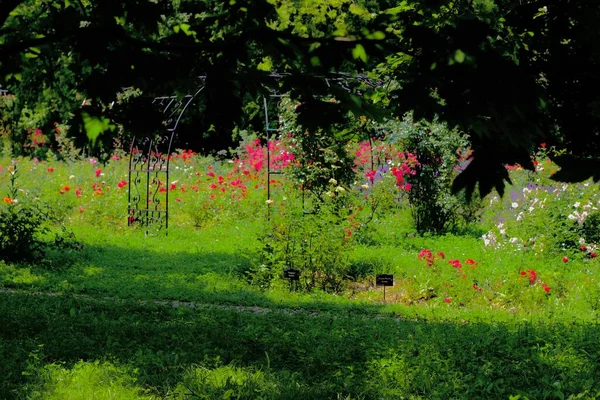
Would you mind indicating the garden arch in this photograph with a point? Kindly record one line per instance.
(148, 201)
(149, 157)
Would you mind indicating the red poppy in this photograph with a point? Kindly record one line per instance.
(121, 184)
(546, 288)
(50, 169)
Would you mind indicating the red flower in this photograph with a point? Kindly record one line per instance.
(543, 144)
(546, 288)
(7, 200)
(425, 253)
(447, 300)
(477, 288)
(50, 169)
(523, 273)
(211, 174)
(532, 276)
(455, 263)
(593, 254)
(565, 259)
(80, 209)
(121, 184)
(178, 200)
(78, 192)
(98, 172)
(582, 248)
(470, 261)
(441, 255)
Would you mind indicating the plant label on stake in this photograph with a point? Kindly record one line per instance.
(291, 274)
(384, 280)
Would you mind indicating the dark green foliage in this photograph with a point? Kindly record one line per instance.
(591, 228)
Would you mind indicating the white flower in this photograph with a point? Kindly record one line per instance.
(581, 241)
(531, 209)
(269, 201)
(576, 205)
(330, 194)
(515, 204)
(333, 181)
(514, 240)
(340, 189)
(72, 176)
(365, 186)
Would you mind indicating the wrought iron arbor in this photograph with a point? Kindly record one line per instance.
(148, 201)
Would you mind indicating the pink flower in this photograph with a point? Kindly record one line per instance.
(441, 255)
(121, 184)
(565, 259)
(98, 172)
(447, 300)
(455, 263)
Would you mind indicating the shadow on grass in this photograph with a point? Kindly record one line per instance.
(307, 356)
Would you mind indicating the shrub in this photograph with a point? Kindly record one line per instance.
(21, 224)
(437, 148)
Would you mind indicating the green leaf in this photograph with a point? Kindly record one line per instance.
(359, 53)
(377, 35)
(459, 56)
(404, 6)
(185, 28)
(95, 126)
(266, 64)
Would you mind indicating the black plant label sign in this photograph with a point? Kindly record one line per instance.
(291, 274)
(384, 280)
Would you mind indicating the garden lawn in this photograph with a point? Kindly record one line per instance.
(136, 316)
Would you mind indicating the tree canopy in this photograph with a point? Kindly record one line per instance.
(511, 74)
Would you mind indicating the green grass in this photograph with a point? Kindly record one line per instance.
(304, 355)
(136, 316)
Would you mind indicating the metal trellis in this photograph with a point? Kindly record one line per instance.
(149, 158)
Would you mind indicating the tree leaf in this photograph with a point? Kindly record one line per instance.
(95, 126)
(359, 53)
